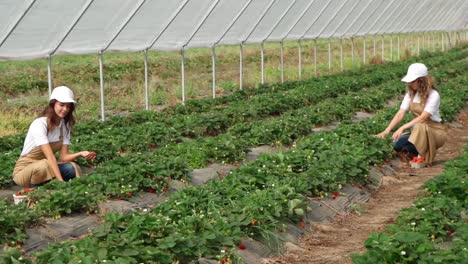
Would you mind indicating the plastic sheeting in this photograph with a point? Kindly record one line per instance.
(41, 28)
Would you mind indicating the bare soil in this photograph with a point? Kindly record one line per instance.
(334, 242)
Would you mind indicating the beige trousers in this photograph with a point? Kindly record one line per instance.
(427, 137)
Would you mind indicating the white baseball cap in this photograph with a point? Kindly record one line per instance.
(415, 71)
(63, 94)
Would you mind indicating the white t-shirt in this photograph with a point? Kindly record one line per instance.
(37, 135)
(432, 104)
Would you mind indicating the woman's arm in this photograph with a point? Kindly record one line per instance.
(420, 119)
(49, 154)
(66, 156)
(395, 121)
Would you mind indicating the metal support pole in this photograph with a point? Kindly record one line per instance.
(282, 61)
(262, 63)
(406, 42)
(375, 46)
(412, 43)
(341, 54)
(315, 57)
(182, 71)
(329, 55)
(399, 46)
(391, 47)
(418, 44)
(443, 41)
(146, 81)
(101, 79)
(213, 65)
(449, 41)
(49, 73)
(299, 51)
(364, 51)
(352, 52)
(437, 40)
(383, 48)
(423, 41)
(433, 41)
(241, 70)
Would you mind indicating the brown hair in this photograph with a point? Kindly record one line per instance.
(53, 120)
(426, 84)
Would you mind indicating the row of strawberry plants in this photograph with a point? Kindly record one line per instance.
(118, 137)
(203, 221)
(294, 124)
(146, 182)
(209, 221)
(119, 177)
(261, 103)
(154, 169)
(114, 140)
(217, 120)
(90, 193)
(169, 132)
(196, 106)
(420, 232)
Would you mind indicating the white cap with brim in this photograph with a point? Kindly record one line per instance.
(415, 70)
(63, 94)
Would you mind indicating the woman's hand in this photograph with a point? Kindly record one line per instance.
(89, 155)
(397, 134)
(382, 134)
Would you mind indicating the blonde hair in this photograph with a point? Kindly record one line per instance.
(426, 84)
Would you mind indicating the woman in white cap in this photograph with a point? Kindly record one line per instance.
(47, 135)
(428, 133)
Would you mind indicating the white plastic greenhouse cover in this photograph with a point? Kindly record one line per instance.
(41, 28)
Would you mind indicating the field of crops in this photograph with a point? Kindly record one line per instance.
(148, 151)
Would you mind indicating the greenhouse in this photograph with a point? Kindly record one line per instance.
(222, 131)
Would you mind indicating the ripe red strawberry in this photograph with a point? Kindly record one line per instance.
(18, 193)
(151, 190)
(129, 194)
(242, 246)
(335, 194)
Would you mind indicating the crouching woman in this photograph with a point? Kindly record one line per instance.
(428, 133)
(46, 136)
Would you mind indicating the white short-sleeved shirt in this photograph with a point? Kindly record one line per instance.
(37, 135)
(432, 104)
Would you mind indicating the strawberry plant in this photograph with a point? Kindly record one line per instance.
(435, 218)
(13, 222)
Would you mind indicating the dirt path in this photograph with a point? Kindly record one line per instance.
(334, 242)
